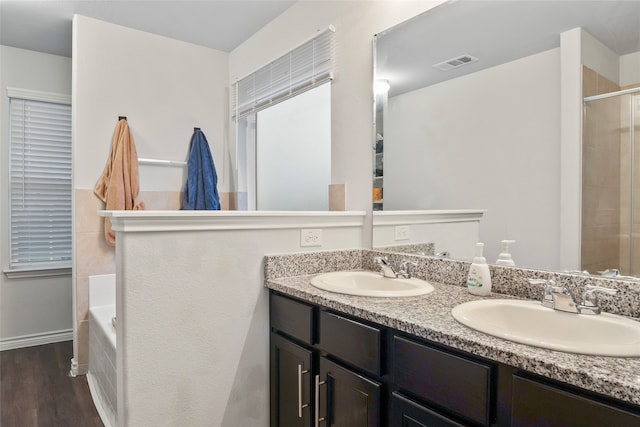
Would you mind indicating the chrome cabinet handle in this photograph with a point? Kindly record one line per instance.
(300, 405)
(317, 401)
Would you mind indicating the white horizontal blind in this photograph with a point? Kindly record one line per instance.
(301, 69)
(40, 184)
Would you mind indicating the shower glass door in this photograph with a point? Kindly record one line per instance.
(611, 184)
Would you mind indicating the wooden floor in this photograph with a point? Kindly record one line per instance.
(36, 389)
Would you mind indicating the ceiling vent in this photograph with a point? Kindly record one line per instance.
(452, 63)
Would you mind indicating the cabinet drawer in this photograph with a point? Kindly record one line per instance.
(406, 413)
(351, 341)
(292, 317)
(450, 382)
(537, 404)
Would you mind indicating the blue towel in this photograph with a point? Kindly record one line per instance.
(200, 192)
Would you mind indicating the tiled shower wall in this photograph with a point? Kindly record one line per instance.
(93, 256)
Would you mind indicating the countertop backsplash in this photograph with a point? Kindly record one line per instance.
(513, 281)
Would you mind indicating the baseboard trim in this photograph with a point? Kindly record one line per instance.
(78, 369)
(36, 339)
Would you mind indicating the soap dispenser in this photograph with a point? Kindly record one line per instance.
(505, 257)
(479, 279)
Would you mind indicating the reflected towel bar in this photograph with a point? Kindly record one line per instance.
(159, 162)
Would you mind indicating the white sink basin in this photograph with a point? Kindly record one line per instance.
(528, 322)
(368, 283)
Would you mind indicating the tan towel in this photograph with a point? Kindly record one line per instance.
(119, 184)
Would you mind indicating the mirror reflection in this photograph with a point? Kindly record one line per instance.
(480, 103)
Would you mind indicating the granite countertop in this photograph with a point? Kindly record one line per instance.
(429, 316)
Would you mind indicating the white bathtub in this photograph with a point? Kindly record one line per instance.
(102, 347)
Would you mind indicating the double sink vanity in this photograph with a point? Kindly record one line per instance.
(440, 356)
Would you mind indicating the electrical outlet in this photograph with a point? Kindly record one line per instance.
(311, 237)
(402, 232)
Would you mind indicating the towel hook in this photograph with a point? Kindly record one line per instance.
(122, 118)
(196, 129)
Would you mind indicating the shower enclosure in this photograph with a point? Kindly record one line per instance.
(611, 183)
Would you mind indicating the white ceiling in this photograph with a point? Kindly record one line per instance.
(496, 31)
(45, 26)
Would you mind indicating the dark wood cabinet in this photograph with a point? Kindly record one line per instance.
(305, 384)
(351, 341)
(346, 398)
(293, 318)
(459, 385)
(536, 404)
(291, 370)
(353, 373)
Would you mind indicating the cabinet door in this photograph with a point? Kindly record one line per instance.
(346, 398)
(290, 378)
(540, 405)
(405, 413)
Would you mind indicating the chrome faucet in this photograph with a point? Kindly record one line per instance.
(405, 269)
(387, 270)
(614, 273)
(590, 299)
(610, 272)
(556, 297)
(560, 297)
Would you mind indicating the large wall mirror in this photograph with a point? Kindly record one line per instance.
(469, 118)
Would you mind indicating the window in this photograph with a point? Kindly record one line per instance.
(40, 185)
(293, 139)
(283, 129)
(305, 67)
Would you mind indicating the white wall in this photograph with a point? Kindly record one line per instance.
(356, 22)
(165, 88)
(600, 58)
(456, 232)
(489, 140)
(29, 306)
(193, 324)
(630, 69)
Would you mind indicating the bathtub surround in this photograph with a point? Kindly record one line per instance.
(101, 376)
(429, 316)
(102, 346)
